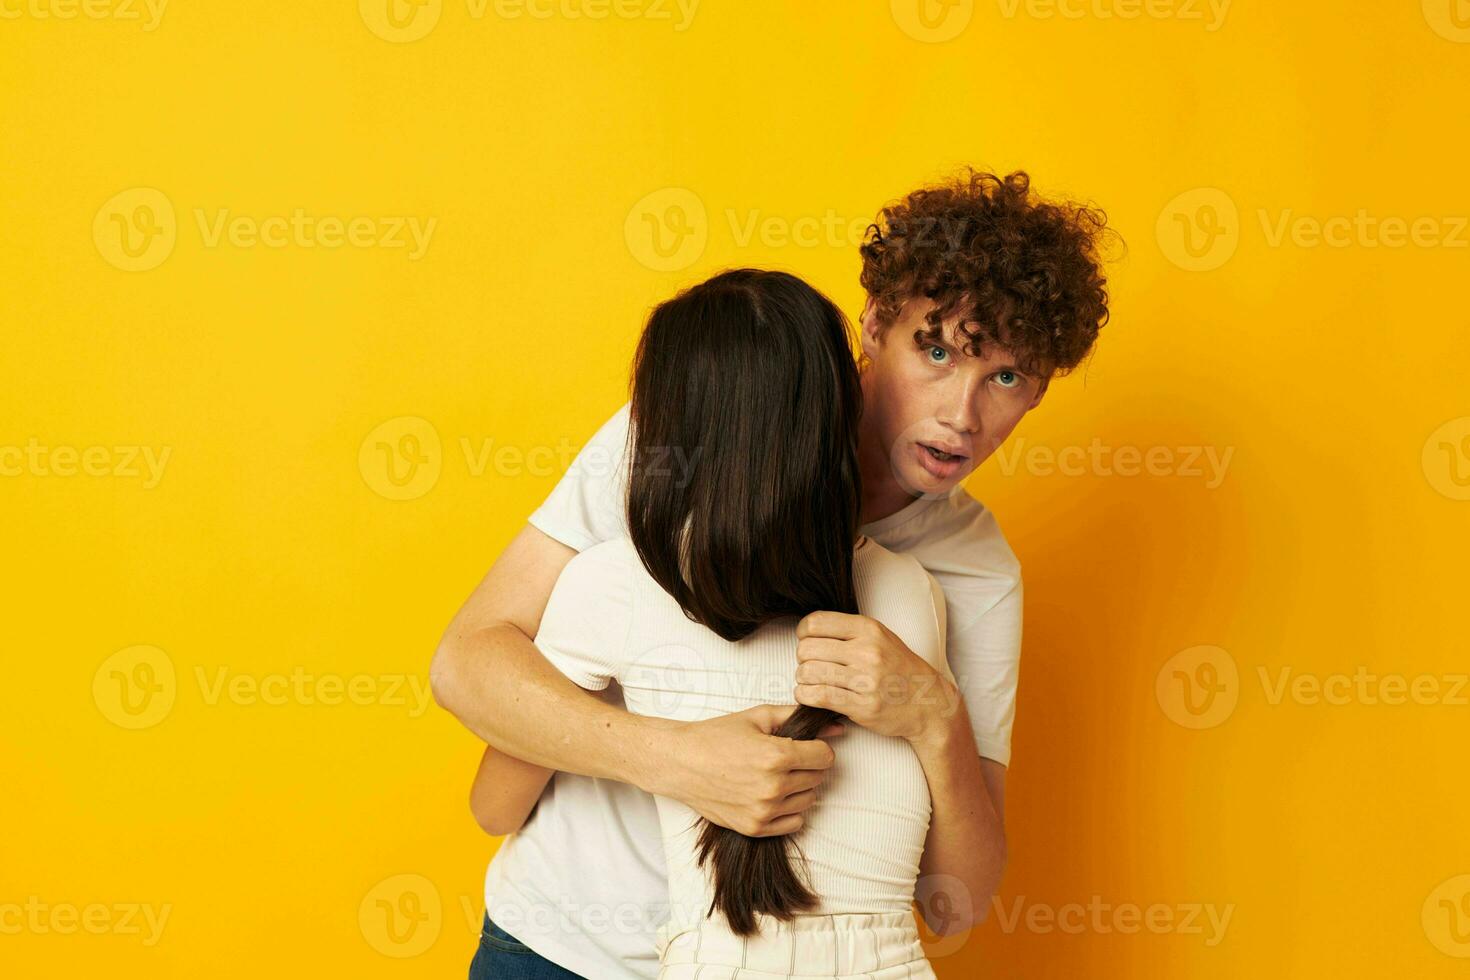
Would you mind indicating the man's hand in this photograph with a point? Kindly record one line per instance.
(735, 773)
(854, 665)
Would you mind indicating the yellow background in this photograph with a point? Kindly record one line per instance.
(543, 147)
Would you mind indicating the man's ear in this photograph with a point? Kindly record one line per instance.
(870, 335)
(1040, 393)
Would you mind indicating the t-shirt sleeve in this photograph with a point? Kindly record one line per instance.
(941, 625)
(985, 655)
(963, 548)
(585, 626)
(588, 505)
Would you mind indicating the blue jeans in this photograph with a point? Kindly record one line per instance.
(502, 956)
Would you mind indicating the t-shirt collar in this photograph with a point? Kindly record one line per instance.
(906, 513)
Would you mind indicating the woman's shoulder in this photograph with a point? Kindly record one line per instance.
(897, 591)
(613, 551)
(606, 564)
(873, 560)
(896, 578)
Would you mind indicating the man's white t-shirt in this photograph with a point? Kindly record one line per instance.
(584, 882)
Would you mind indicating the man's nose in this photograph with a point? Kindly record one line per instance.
(961, 406)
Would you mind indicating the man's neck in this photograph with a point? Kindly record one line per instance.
(882, 494)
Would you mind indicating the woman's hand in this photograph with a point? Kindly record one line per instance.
(856, 666)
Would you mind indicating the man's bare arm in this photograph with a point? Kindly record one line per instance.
(488, 673)
(965, 850)
(490, 676)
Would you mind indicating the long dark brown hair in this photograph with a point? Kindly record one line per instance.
(743, 498)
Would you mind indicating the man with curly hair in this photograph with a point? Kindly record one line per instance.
(978, 296)
(979, 293)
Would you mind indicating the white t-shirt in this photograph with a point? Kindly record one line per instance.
(584, 883)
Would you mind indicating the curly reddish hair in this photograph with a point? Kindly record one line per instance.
(1020, 272)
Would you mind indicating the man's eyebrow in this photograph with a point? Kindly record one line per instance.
(931, 335)
(1016, 367)
(958, 341)
(948, 336)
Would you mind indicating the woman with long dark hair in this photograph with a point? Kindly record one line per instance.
(742, 511)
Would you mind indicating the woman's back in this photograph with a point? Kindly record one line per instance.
(609, 619)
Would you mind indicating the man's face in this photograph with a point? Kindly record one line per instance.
(938, 411)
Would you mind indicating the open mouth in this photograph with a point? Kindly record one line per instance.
(941, 455)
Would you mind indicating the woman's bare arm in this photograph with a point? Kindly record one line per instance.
(505, 792)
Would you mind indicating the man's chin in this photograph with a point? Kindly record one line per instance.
(921, 483)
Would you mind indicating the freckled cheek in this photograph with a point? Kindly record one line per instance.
(924, 396)
(907, 401)
(997, 425)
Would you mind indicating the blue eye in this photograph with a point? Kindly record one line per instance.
(1008, 379)
(943, 355)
